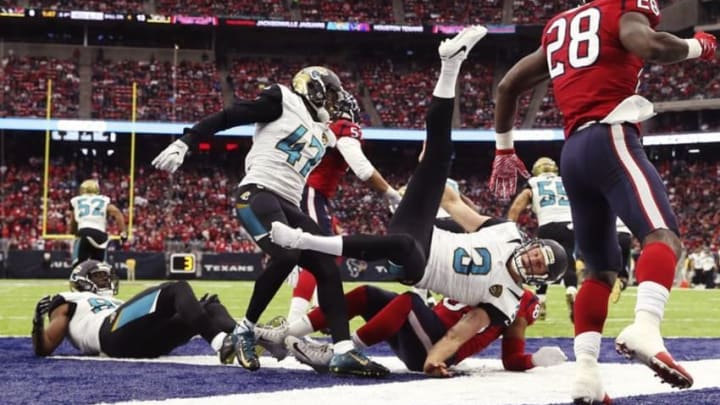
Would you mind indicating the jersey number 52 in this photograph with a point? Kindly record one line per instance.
(576, 41)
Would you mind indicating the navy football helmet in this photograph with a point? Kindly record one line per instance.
(347, 107)
(93, 276)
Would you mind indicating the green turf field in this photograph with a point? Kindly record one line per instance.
(690, 313)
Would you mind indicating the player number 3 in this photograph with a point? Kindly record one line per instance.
(584, 43)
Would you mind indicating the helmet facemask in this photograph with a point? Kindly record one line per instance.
(346, 108)
(553, 256)
(93, 276)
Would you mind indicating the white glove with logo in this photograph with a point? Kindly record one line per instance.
(171, 157)
(547, 356)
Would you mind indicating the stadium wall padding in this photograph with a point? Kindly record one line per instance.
(154, 266)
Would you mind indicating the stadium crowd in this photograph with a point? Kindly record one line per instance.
(192, 206)
(395, 91)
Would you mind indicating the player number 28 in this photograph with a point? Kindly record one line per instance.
(584, 43)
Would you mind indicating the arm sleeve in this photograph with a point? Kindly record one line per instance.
(266, 107)
(351, 151)
(514, 357)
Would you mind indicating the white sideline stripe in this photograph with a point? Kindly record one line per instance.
(650, 208)
(486, 383)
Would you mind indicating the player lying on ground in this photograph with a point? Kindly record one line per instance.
(411, 328)
(150, 324)
(484, 268)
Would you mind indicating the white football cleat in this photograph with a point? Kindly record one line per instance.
(460, 45)
(587, 387)
(283, 235)
(644, 343)
(272, 338)
(315, 355)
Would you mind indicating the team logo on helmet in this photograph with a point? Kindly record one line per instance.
(320, 87)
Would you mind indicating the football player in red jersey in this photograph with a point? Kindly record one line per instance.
(322, 185)
(593, 54)
(411, 328)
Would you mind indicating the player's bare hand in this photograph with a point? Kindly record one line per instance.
(437, 369)
(708, 43)
(505, 170)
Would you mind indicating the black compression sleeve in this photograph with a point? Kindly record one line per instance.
(266, 108)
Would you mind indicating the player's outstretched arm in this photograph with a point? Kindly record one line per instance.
(519, 204)
(351, 150)
(46, 340)
(460, 212)
(523, 76)
(266, 108)
(461, 332)
(638, 37)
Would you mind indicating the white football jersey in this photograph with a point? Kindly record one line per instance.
(471, 267)
(286, 150)
(90, 211)
(549, 200)
(90, 312)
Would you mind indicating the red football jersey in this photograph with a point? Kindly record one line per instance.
(590, 69)
(326, 176)
(450, 311)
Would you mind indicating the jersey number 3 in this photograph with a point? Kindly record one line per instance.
(578, 37)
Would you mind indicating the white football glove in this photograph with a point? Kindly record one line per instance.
(392, 197)
(547, 356)
(171, 157)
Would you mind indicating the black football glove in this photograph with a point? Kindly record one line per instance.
(41, 309)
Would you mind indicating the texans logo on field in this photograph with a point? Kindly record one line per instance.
(496, 290)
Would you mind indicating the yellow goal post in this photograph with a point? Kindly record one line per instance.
(46, 169)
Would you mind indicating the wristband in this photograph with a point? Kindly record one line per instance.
(504, 140)
(694, 48)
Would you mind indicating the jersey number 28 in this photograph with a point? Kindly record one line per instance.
(578, 37)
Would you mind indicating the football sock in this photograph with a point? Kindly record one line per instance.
(298, 308)
(591, 306)
(343, 346)
(587, 344)
(331, 245)
(650, 304)
(300, 327)
(445, 86)
(656, 263)
(217, 341)
(357, 341)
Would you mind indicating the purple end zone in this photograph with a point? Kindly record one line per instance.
(26, 378)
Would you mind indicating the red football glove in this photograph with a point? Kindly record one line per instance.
(506, 167)
(708, 42)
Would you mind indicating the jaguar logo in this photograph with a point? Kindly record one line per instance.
(496, 290)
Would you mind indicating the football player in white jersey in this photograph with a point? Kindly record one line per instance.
(483, 268)
(291, 136)
(150, 324)
(89, 222)
(545, 195)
